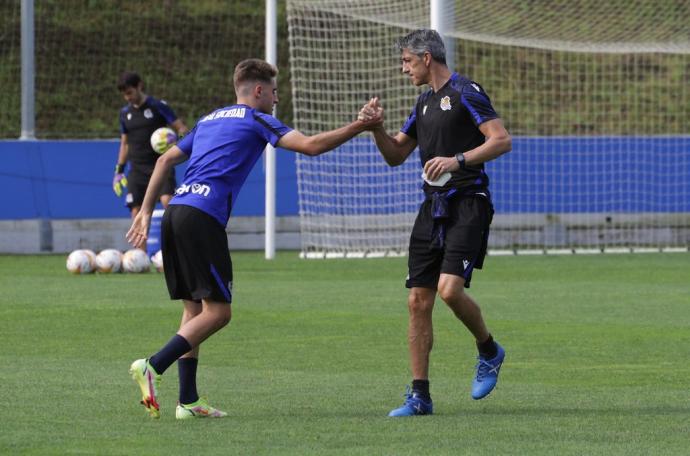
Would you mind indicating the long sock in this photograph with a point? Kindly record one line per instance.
(421, 387)
(186, 367)
(488, 349)
(176, 347)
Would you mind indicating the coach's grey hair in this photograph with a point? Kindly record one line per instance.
(421, 41)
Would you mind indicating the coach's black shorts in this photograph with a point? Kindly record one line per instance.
(196, 260)
(138, 182)
(467, 233)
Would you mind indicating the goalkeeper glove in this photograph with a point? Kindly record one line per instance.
(119, 180)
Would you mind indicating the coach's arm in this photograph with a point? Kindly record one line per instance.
(138, 232)
(395, 149)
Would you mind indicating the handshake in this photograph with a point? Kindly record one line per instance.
(371, 114)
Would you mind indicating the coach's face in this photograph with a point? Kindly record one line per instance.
(415, 66)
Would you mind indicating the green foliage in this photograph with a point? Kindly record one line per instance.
(185, 51)
(316, 355)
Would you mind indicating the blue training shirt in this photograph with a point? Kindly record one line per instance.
(223, 148)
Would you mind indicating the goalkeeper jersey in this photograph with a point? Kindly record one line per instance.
(223, 148)
(446, 122)
(139, 124)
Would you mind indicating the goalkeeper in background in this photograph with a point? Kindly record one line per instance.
(221, 149)
(457, 131)
(142, 115)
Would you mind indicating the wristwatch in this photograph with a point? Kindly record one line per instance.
(460, 157)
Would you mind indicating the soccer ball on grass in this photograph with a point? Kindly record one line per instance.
(136, 261)
(109, 260)
(157, 260)
(79, 262)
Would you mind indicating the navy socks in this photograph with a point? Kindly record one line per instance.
(186, 368)
(176, 347)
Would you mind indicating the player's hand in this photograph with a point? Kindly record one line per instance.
(119, 182)
(439, 165)
(371, 114)
(138, 232)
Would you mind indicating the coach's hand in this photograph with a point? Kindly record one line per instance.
(119, 180)
(138, 232)
(435, 167)
(371, 113)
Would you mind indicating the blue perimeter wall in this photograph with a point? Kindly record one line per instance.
(72, 179)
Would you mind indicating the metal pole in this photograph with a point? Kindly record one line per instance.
(442, 18)
(271, 57)
(28, 94)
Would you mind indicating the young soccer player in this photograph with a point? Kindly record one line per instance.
(457, 131)
(142, 115)
(221, 149)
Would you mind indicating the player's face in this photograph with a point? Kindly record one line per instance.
(269, 97)
(133, 95)
(415, 67)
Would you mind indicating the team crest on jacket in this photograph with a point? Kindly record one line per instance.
(148, 114)
(445, 103)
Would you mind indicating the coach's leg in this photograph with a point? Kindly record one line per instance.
(491, 355)
(420, 335)
(451, 289)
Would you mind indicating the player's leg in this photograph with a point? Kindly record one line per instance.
(187, 364)
(168, 189)
(212, 316)
(465, 250)
(165, 200)
(136, 190)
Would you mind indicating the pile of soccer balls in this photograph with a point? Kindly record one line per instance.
(108, 261)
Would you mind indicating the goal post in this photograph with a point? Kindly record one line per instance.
(595, 95)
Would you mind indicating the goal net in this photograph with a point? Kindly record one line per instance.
(595, 95)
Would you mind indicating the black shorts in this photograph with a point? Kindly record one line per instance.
(196, 259)
(138, 182)
(467, 233)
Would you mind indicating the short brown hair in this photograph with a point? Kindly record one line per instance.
(253, 70)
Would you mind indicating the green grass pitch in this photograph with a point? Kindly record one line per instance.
(316, 356)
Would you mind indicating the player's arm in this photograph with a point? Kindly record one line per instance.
(395, 149)
(119, 179)
(138, 232)
(497, 143)
(180, 127)
(323, 142)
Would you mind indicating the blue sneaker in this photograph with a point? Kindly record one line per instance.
(414, 405)
(487, 374)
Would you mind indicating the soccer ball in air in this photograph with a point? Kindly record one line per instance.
(109, 260)
(136, 261)
(157, 261)
(79, 262)
(163, 139)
